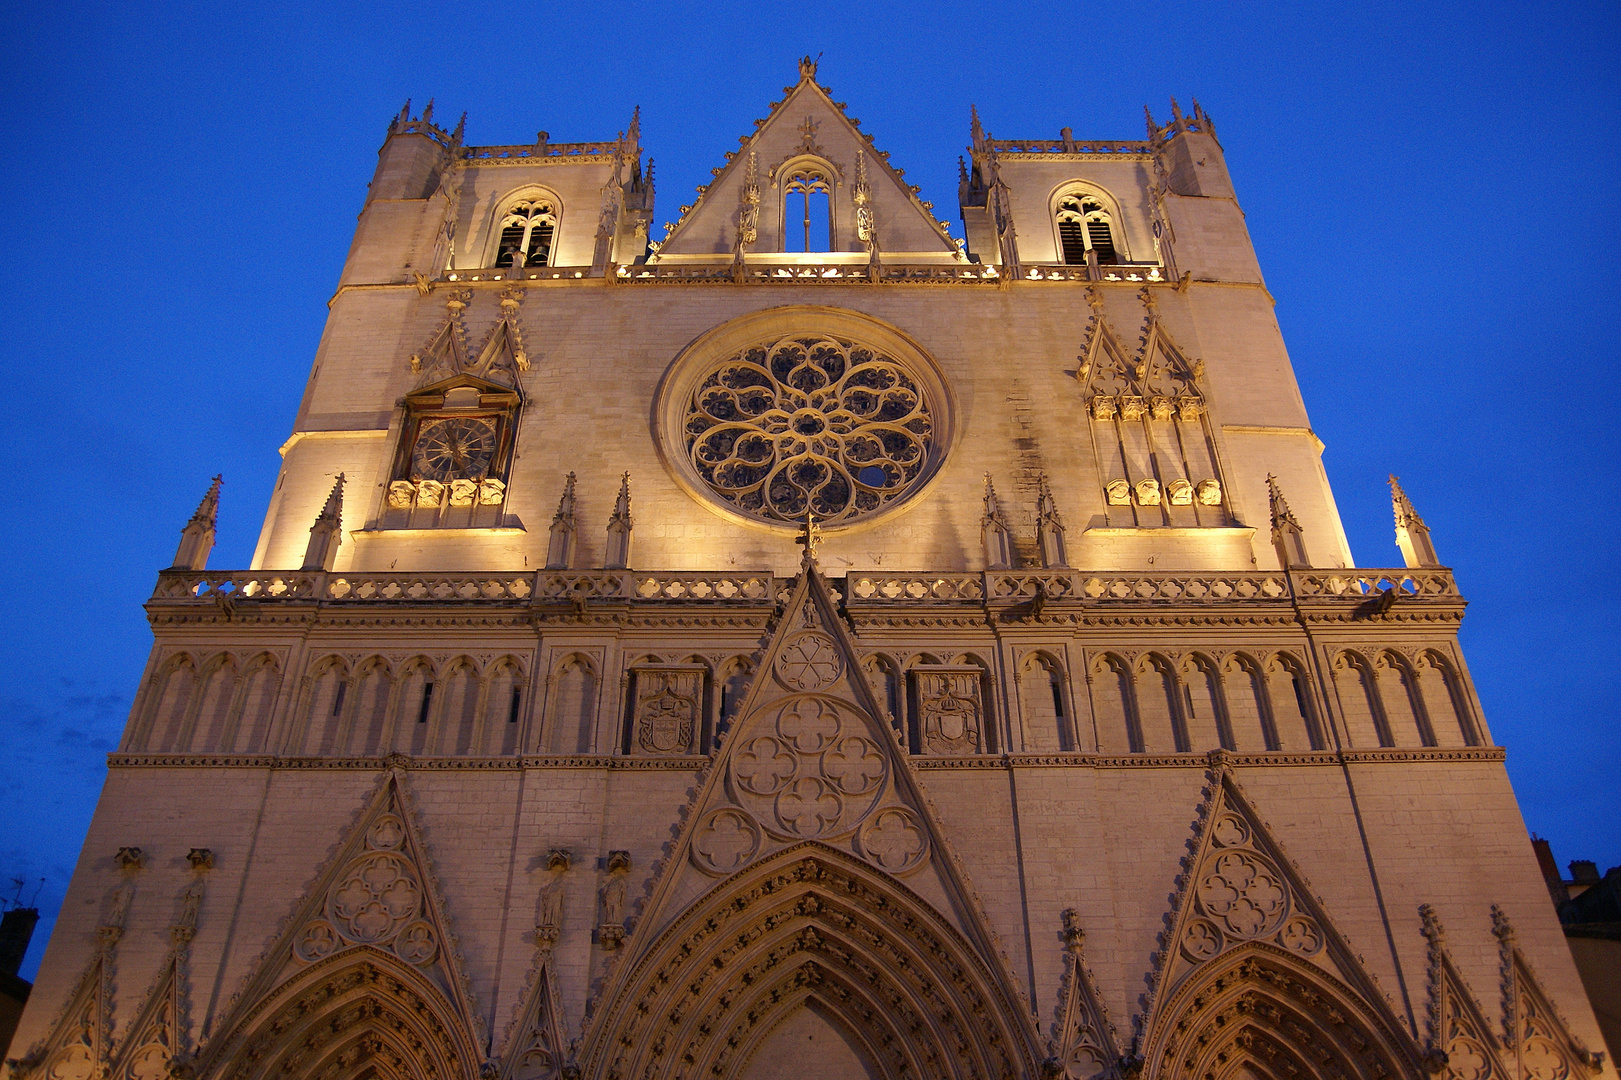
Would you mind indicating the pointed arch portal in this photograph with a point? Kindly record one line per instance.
(358, 1015)
(816, 943)
(1260, 1013)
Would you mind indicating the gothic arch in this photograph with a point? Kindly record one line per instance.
(810, 926)
(1209, 719)
(358, 1011)
(1294, 718)
(1260, 1013)
(1364, 713)
(1045, 711)
(571, 704)
(1402, 700)
(1161, 717)
(1114, 705)
(489, 242)
(247, 726)
(173, 688)
(505, 703)
(1444, 696)
(1109, 205)
(216, 689)
(1249, 706)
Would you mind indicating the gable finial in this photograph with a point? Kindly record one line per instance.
(810, 537)
(807, 67)
(197, 538)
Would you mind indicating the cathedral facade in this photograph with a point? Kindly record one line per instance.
(809, 645)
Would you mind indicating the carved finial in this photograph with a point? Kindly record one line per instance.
(810, 537)
(560, 548)
(327, 532)
(807, 67)
(976, 132)
(1074, 935)
(861, 196)
(1153, 128)
(1049, 528)
(1176, 112)
(427, 114)
(994, 531)
(748, 210)
(461, 129)
(1286, 533)
(619, 526)
(197, 538)
(1412, 535)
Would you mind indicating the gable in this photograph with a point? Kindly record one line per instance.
(807, 128)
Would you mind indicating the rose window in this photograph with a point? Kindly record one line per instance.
(809, 423)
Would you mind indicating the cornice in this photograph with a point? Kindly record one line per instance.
(1081, 760)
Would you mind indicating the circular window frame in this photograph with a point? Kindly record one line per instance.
(703, 354)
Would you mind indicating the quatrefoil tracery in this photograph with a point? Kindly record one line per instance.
(809, 423)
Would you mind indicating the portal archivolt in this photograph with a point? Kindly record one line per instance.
(811, 927)
(361, 1014)
(1260, 1012)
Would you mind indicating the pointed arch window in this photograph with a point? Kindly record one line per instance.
(527, 228)
(1086, 226)
(807, 211)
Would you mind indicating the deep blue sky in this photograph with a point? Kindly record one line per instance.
(1431, 188)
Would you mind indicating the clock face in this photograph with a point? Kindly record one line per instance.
(454, 449)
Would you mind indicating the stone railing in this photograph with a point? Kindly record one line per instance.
(644, 586)
(539, 151)
(1105, 272)
(1066, 146)
(816, 273)
(809, 274)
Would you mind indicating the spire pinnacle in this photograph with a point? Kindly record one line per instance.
(1287, 537)
(560, 546)
(208, 510)
(327, 532)
(197, 538)
(1412, 535)
(619, 526)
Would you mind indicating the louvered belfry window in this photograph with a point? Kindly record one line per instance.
(1084, 225)
(526, 234)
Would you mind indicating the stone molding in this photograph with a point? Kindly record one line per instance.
(1077, 759)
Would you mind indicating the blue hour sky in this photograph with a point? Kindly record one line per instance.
(1431, 189)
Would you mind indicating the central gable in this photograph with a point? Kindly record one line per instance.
(807, 134)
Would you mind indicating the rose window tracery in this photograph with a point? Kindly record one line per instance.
(809, 423)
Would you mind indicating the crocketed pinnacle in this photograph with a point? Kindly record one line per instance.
(565, 505)
(333, 510)
(208, 510)
(621, 514)
(1402, 506)
(1281, 514)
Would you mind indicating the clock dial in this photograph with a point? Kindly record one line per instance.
(454, 449)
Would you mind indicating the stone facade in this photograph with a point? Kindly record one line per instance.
(1066, 742)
